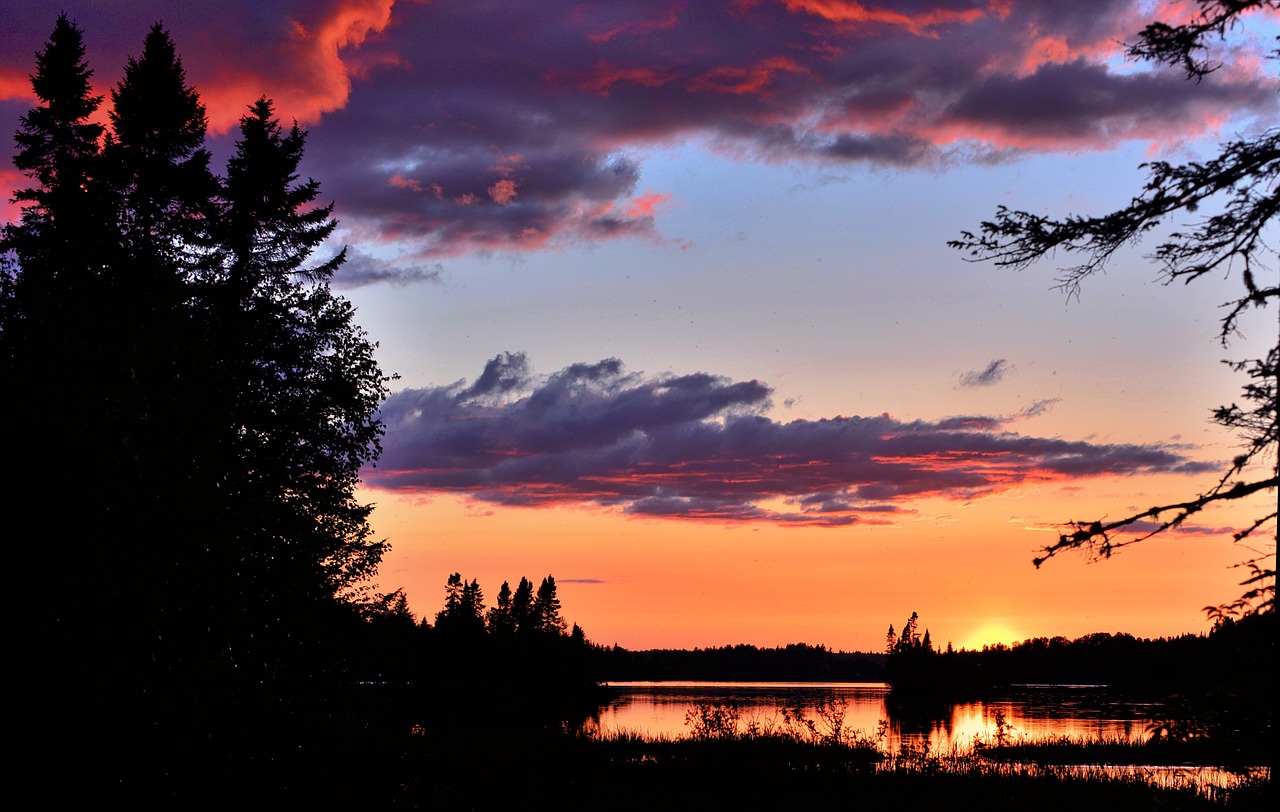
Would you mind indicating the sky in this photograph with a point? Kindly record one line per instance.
(667, 289)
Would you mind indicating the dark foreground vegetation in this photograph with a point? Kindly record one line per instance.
(1214, 688)
(776, 773)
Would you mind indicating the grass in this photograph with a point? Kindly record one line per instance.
(809, 757)
(1116, 750)
(776, 770)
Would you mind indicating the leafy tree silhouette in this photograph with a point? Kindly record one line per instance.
(1240, 183)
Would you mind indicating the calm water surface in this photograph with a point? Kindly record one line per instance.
(659, 708)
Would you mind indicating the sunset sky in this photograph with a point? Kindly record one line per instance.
(667, 288)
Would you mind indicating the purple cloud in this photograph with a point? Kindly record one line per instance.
(453, 126)
(698, 447)
(992, 375)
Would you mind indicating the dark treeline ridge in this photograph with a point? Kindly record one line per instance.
(515, 662)
(1217, 686)
(1234, 649)
(797, 662)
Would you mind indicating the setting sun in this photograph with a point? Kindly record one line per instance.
(992, 632)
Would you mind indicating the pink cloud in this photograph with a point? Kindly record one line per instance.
(15, 85)
(401, 182)
(503, 192)
(12, 179)
(644, 205)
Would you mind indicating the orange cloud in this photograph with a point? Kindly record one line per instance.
(846, 11)
(640, 26)
(728, 79)
(318, 80)
(605, 76)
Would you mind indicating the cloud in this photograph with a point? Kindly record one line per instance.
(699, 447)
(1144, 526)
(990, 376)
(361, 269)
(305, 54)
(452, 126)
(1039, 407)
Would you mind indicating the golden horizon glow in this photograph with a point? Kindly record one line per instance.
(992, 632)
(662, 583)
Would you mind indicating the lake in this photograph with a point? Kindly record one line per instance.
(659, 708)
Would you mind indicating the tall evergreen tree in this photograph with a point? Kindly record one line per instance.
(522, 606)
(452, 597)
(156, 150)
(291, 353)
(168, 467)
(48, 304)
(501, 621)
(462, 617)
(58, 147)
(61, 239)
(473, 605)
(204, 405)
(546, 609)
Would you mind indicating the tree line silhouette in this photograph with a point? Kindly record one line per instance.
(738, 663)
(188, 408)
(1233, 649)
(1221, 681)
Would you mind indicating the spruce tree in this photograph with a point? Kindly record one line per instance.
(185, 484)
(546, 609)
(156, 152)
(522, 607)
(302, 381)
(58, 146)
(46, 301)
(501, 621)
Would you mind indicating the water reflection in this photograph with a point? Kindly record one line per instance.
(658, 709)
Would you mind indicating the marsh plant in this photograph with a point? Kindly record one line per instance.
(718, 720)
(823, 723)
